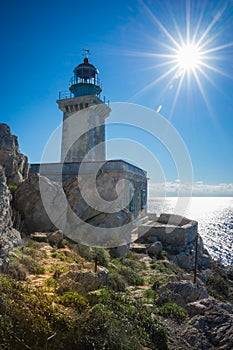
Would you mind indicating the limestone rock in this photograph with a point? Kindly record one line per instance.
(182, 293)
(9, 237)
(155, 249)
(121, 251)
(211, 325)
(15, 163)
(114, 228)
(55, 238)
(37, 214)
(84, 281)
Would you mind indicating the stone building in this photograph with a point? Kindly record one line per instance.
(83, 150)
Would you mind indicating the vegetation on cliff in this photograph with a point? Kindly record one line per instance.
(52, 298)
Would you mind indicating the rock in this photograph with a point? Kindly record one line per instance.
(155, 249)
(92, 227)
(84, 281)
(205, 261)
(15, 163)
(86, 212)
(182, 293)
(120, 252)
(55, 238)
(211, 325)
(39, 215)
(9, 237)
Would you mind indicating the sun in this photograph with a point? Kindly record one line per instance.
(189, 51)
(188, 58)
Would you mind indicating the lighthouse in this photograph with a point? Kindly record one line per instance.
(83, 154)
(84, 113)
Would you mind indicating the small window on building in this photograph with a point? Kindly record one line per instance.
(143, 198)
(86, 105)
(81, 105)
(132, 204)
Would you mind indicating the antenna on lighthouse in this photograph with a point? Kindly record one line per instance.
(86, 53)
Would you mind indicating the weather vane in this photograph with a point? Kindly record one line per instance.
(86, 53)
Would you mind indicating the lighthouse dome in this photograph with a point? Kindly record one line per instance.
(85, 70)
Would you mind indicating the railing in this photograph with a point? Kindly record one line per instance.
(62, 95)
(92, 81)
(65, 94)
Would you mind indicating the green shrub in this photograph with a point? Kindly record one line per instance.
(172, 310)
(132, 277)
(74, 299)
(32, 265)
(116, 282)
(149, 293)
(161, 268)
(51, 282)
(17, 271)
(12, 187)
(91, 253)
(58, 268)
(61, 256)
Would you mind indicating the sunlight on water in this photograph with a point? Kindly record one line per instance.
(215, 221)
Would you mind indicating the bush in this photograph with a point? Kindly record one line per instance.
(161, 268)
(12, 187)
(32, 266)
(74, 299)
(17, 271)
(131, 277)
(91, 253)
(116, 282)
(173, 310)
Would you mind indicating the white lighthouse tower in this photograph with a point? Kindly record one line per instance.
(84, 116)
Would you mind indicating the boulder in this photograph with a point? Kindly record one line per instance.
(55, 238)
(121, 251)
(9, 237)
(84, 281)
(15, 163)
(41, 204)
(182, 293)
(155, 249)
(93, 227)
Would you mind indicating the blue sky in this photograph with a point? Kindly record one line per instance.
(42, 42)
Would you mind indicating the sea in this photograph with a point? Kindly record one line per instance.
(214, 216)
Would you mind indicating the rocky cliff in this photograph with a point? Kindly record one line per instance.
(9, 237)
(14, 163)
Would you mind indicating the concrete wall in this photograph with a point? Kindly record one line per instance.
(108, 181)
(172, 230)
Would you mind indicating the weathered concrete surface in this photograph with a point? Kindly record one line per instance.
(171, 230)
(83, 133)
(178, 237)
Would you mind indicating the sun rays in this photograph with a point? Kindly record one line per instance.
(187, 53)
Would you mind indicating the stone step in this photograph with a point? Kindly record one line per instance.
(139, 248)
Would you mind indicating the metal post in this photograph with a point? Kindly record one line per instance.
(96, 261)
